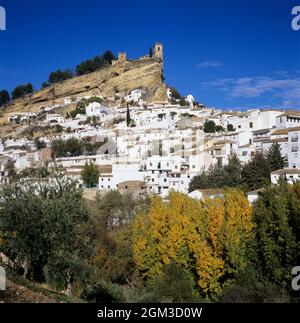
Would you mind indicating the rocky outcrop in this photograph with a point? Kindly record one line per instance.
(122, 77)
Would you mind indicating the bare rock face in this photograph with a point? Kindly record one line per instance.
(123, 77)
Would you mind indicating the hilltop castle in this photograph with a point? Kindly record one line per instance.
(158, 54)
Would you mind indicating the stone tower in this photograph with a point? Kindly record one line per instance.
(122, 57)
(159, 52)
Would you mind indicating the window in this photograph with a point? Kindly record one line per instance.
(240, 127)
(251, 125)
(244, 153)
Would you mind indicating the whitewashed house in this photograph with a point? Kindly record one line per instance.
(294, 147)
(55, 118)
(288, 119)
(96, 109)
(290, 175)
(134, 96)
(206, 193)
(120, 173)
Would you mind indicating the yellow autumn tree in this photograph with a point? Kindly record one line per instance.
(238, 231)
(208, 238)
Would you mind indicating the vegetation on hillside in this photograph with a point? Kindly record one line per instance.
(125, 249)
(21, 90)
(254, 175)
(74, 147)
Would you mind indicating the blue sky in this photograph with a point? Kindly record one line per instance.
(228, 53)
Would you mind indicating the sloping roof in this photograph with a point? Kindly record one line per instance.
(106, 169)
(289, 171)
(276, 140)
(260, 190)
(291, 113)
(293, 129)
(262, 131)
(284, 131)
(246, 146)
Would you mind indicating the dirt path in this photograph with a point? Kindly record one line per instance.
(19, 294)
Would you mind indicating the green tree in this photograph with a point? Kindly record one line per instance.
(45, 85)
(220, 129)
(59, 76)
(277, 247)
(103, 292)
(230, 128)
(4, 97)
(128, 117)
(38, 226)
(219, 176)
(22, 90)
(94, 64)
(256, 173)
(275, 158)
(39, 144)
(108, 57)
(174, 285)
(151, 52)
(10, 169)
(209, 126)
(233, 172)
(90, 175)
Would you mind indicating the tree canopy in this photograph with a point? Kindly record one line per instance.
(38, 224)
(211, 240)
(95, 64)
(74, 147)
(90, 175)
(219, 176)
(59, 76)
(22, 90)
(4, 97)
(275, 158)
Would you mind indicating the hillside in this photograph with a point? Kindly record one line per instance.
(123, 77)
(20, 290)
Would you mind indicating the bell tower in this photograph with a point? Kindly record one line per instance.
(159, 52)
